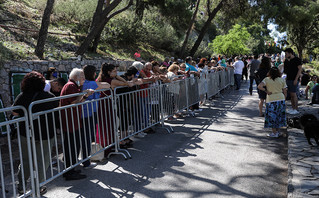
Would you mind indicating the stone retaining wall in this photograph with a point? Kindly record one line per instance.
(42, 66)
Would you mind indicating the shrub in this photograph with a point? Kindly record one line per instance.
(71, 11)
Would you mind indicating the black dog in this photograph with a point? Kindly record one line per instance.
(310, 124)
(294, 122)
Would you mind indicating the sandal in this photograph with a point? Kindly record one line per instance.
(43, 190)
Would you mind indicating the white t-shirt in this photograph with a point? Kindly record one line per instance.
(238, 66)
(47, 87)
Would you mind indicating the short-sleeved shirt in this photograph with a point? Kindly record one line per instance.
(291, 68)
(310, 84)
(275, 87)
(88, 84)
(238, 66)
(70, 88)
(191, 67)
(47, 87)
(253, 66)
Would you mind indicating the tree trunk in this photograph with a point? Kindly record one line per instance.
(98, 36)
(205, 27)
(89, 38)
(99, 24)
(97, 13)
(43, 33)
(300, 49)
(189, 30)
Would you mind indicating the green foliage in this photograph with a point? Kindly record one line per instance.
(300, 19)
(203, 50)
(153, 29)
(235, 42)
(316, 50)
(75, 11)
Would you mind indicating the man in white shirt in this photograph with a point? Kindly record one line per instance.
(238, 71)
(54, 86)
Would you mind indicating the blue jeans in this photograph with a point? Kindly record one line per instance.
(237, 80)
(252, 79)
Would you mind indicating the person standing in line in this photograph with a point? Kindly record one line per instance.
(261, 73)
(292, 68)
(90, 112)
(51, 74)
(54, 86)
(245, 70)
(278, 62)
(238, 66)
(32, 87)
(276, 90)
(72, 128)
(252, 67)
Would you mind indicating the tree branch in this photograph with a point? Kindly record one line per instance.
(121, 10)
(208, 6)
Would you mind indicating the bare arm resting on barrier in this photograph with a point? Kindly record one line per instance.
(118, 83)
(137, 81)
(102, 85)
(83, 97)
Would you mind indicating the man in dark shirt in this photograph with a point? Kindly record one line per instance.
(292, 68)
(252, 67)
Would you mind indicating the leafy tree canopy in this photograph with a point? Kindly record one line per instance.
(235, 42)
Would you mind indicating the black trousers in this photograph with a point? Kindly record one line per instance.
(71, 148)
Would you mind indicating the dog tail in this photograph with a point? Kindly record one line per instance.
(304, 119)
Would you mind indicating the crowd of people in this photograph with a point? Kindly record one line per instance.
(272, 74)
(79, 124)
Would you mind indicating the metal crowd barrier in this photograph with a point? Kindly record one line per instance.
(9, 161)
(203, 86)
(213, 84)
(57, 136)
(72, 132)
(192, 90)
(232, 79)
(136, 110)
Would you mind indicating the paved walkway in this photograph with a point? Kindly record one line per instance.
(222, 152)
(303, 180)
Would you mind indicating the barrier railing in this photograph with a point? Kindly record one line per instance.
(213, 84)
(9, 161)
(69, 130)
(58, 135)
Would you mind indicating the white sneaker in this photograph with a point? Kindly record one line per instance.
(145, 134)
(273, 135)
(92, 165)
(294, 112)
(140, 135)
(289, 111)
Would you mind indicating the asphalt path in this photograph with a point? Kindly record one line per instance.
(222, 152)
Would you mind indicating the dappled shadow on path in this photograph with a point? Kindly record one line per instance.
(158, 166)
